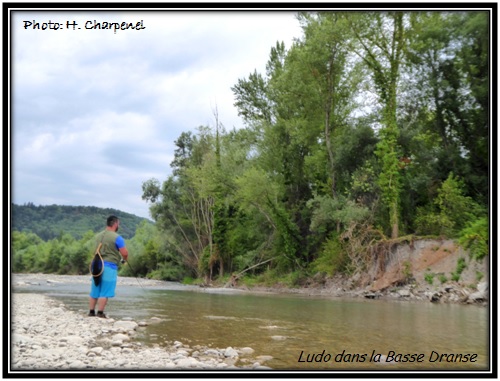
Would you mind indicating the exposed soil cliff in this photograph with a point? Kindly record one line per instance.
(438, 270)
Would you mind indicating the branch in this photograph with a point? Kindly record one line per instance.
(233, 278)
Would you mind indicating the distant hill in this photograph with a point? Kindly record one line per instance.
(50, 221)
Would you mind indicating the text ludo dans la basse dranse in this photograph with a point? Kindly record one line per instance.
(390, 357)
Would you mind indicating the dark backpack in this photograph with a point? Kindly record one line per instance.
(97, 266)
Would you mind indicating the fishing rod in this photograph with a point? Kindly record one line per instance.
(133, 272)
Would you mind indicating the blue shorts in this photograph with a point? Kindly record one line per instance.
(106, 288)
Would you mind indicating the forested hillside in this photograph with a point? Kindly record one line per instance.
(51, 221)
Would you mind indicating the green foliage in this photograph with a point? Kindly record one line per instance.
(274, 277)
(188, 280)
(294, 279)
(335, 212)
(48, 222)
(168, 273)
(429, 222)
(479, 276)
(204, 262)
(389, 179)
(149, 254)
(332, 258)
(62, 255)
(288, 240)
(475, 237)
(429, 278)
(443, 278)
(450, 212)
(461, 266)
(407, 271)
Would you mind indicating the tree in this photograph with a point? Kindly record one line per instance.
(381, 44)
(329, 78)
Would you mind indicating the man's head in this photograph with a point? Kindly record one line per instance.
(113, 222)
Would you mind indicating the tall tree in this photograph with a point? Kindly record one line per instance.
(328, 76)
(381, 44)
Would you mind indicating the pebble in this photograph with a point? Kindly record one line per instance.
(46, 335)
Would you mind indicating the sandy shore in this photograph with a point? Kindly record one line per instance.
(46, 335)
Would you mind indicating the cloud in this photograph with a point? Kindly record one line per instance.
(96, 113)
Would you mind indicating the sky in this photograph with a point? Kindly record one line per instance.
(95, 113)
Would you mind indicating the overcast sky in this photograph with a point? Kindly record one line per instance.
(95, 113)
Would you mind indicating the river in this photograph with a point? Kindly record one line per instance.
(347, 334)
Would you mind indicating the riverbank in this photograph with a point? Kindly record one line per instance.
(426, 270)
(343, 287)
(46, 335)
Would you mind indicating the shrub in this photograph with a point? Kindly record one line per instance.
(475, 238)
(429, 278)
(407, 271)
(331, 259)
(188, 280)
(451, 210)
(461, 266)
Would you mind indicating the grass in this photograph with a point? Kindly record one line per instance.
(443, 278)
(461, 266)
(429, 278)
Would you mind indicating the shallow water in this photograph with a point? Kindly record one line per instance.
(293, 328)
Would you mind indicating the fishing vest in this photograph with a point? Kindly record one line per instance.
(109, 252)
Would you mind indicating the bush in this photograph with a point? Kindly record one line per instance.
(475, 238)
(450, 212)
(431, 223)
(188, 280)
(331, 259)
(167, 273)
(429, 278)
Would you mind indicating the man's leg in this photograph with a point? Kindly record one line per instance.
(107, 289)
(101, 304)
(92, 303)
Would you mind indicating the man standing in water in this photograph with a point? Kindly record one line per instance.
(112, 249)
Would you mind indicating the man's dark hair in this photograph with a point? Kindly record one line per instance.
(111, 220)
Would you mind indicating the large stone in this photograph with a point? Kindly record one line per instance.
(246, 351)
(482, 287)
(188, 363)
(126, 325)
(477, 296)
(404, 293)
(120, 337)
(97, 350)
(77, 364)
(230, 352)
(213, 352)
(21, 339)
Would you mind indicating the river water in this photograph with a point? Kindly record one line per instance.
(337, 333)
